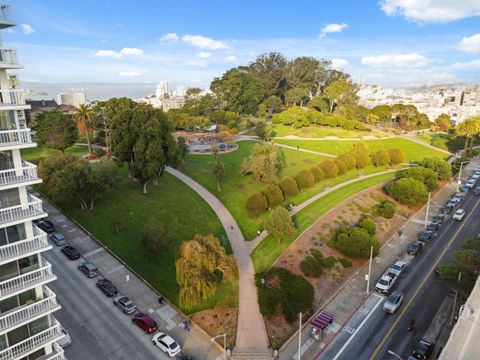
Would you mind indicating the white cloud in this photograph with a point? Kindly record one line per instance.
(469, 65)
(339, 63)
(334, 28)
(231, 58)
(413, 60)
(439, 11)
(27, 29)
(10, 30)
(470, 44)
(129, 74)
(197, 63)
(169, 37)
(204, 55)
(112, 54)
(410, 78)
(203, 42)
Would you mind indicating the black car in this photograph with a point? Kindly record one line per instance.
(476, 192)
(89, 269)
(107, 287)
(71, 252)
(46, 226)
(415, 248)
(438, 219)
(447, 209)
(424, 349)
(425, 236)
(183, 356)
(432, 227)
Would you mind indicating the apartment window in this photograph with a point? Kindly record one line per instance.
(7, 119)
(9, 197)
(12, 234)
(6, 160)
(8, 271)
(39, 325)
(3, 342)
(36, 355)
(9, 304)
(28, 264)
(27, 297)
(24, 332)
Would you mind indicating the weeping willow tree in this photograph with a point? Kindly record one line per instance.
(202, 264)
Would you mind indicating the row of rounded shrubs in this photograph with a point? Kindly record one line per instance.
(274, 195)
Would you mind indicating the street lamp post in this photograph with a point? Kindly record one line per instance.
(224, 343)
(394, 354)
(460, 174)
(369, 269)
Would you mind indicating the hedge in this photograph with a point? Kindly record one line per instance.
(274, 195)
(257, 203)
(329, 168)
(340, 166)
(289, 186)
(348, 160)
(317, 173)
(380, 158)
(305, 179)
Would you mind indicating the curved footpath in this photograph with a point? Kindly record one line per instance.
(251, 333)
(418, 141)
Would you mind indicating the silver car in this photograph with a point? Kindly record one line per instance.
(125, 304)
(58, 238)
(393, 302)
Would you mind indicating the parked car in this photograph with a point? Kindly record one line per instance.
(470, 183)
(459, 214)
(464, 189)
(71, 252)
(145, 322)
(448, 208)
(476, 192)
(57, 238)
(399, 267)
(415, 248)
(46, 225)
(125, 304)
(182, 356)
(107, 287)
(66, 339)
(386, 282)
(393, 302)
(166, 343)
(438, 219)
(425, 236)
(476, 175)
(432, 227)
(456, 198)
(89, 269)
(424, 349)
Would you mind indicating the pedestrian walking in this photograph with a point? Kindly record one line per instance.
(400, 232)
(160, 299)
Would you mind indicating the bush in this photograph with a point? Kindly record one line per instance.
(385, 209)
(439, 142)
(274, 195)
(288, 186)
(361, 154)
(305, 179)
(279, 224)
(311, 265)
(368, 225)
(329, 168)
(317, 173)
(426, 176)
(380, 158)
(345, 263)
(407, 191)
(441, 168)
(328, 262)
(340, 166)
(348, 160)
(257, 203)
(355, 242)
(397, 156)
(99, 152)
(293, 293)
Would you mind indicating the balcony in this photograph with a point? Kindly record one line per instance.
(28, 313)
(8, 59)
(16, 137)
(39, 242)
(57, 354)
(9, 98)
(5, 20)
(23, 212)
(33, 343)
(26, 174)
(26, 281)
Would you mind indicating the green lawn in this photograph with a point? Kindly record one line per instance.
(270, 249)
(237, 188)
(171, 204)
(37, 154)
(317, 131)
(413, 151)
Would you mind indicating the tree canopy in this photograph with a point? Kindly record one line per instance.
(56, 129)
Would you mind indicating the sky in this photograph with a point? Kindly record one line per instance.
(393, 43)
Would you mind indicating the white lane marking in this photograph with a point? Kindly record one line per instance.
(359, 327)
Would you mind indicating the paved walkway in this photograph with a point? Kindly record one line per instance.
(305, 150)
(418, 141)
(330, 138)
(251, 333)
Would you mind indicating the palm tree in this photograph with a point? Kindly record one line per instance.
(86, 117)
(469, 128)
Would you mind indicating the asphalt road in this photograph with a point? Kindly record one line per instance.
(98, 329)
(424, 294)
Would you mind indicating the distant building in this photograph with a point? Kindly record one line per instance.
(162, 89)
(37, 106)
(175, 102)
(74, 99)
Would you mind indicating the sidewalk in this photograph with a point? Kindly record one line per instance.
(352, 295)
(168, 318)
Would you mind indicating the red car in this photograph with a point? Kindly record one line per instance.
(145, 322)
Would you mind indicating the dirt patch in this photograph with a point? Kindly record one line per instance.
(219, 321)
(347, 213)
(240, 186)
(308, 161)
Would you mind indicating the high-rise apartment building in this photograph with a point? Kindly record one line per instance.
(28, 331)
(162, 89)
(74, 98)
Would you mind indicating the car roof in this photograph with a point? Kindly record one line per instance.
(460, 211)
(89, 265)
(144, 317)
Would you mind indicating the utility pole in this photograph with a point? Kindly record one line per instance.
(369, 269)
(426, 214)
(300, 336)
(455, 298)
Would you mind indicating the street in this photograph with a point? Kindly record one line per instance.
(379, 332)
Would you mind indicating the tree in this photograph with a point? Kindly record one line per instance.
(340, 92)
(183, 150)
(273, 104)
(279, 224)
(320, 104)
(440, 167)
(262, 130)
(289, 186)
(383, 112)
(274, 195)
(270, 69)
(443, 122)
(85, 116)
(199, 263)
(469, 128)
(340, 166)
(294, 116)
(385, 209)
(348, 160)
(408, 191)
(360, 153)
(329, 168)
(380, 158)
(257, 203)
(264, 162)
(368, 225)
(426, 176)
(317, 173)
(154, 239)
(355, 242)
(218, 173)
(397, 156)
(305, 179)
(56, 129)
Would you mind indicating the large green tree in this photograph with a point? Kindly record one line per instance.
(85, 117)
(264, 162)
(279, 224)
(469, 128)
(340, 92)
(270, 69)
(56, 129)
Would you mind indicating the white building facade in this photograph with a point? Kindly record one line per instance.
(28, 331)
(74, 99)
